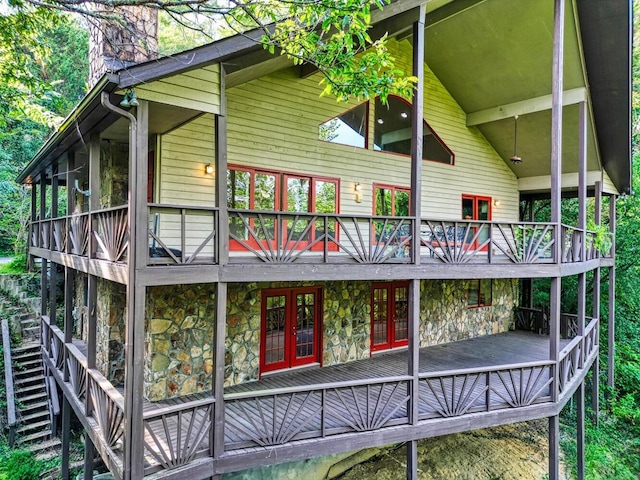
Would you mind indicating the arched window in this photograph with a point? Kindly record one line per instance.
(350, 128)
(392, 132)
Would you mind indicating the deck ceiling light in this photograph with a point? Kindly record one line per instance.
(208, 169)
(515, 159)
(357, 188)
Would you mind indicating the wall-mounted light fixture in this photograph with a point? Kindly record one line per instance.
(496, 202)
(357, 188)
(208, 169)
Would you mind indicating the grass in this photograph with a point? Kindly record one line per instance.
(16, 265)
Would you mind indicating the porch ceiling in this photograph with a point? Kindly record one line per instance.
(495, 58)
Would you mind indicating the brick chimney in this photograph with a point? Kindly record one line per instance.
(129, 37)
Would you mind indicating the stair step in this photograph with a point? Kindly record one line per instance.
(46, 445)
(34, 426)
(33, 406)
(36, 362)
(34, 436)
(31, 329)
(25, 381)
(25, 348)
(31, 398)
(28, 418)
(23, 373)
(31, 388)
(26, 356)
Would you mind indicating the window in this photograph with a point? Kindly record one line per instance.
(479, 293)
(392, 132)
(389, 315)
(391, 200)
(475, 207)
(290, 327)
(350, 128)
(272, 191)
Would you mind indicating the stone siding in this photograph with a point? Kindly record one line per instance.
(111, 315)
(180, 327)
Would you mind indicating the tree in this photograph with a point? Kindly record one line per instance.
(331, 35)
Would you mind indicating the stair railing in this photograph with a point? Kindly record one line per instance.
(8, 379)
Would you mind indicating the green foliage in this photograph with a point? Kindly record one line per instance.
(22, 465)
(17, 265)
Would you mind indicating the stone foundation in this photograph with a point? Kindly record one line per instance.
(111, 315)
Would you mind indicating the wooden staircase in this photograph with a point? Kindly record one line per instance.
(35, 429)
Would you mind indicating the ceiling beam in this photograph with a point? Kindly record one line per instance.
(531, 105)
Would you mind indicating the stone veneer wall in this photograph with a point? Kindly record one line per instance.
(445, 317)
(114, 174)
(180, 327)
(110, 330)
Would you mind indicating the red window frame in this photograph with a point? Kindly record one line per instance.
(290, 333)
(476, 199)
(281, 198)
(391, 309)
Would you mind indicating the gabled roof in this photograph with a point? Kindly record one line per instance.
(600, 64)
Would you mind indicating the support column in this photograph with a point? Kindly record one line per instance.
(595, 372)
(554, 447)
(218, 381)
(595, 398)
(582, 219)
(92, 300)
(222, 245)
(44, 292)
(94, 189)
(417, 133)
(33, 231)
(136, 294)
(66, 438)
(89, 453)
(53, 269)
(579, 400)
(417, 130)
(611, 321)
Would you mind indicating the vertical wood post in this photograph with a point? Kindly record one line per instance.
(218, 380)
(222, 245)
(417, 123)
(611, 321)
(94, 189)
(44, 291)
(595, 394)
(30, 243)
(582, 219)
(595, 400)
(579, 400)
(554, 447)
(89, 453)
(66, 438)
(69, 273)
(53, 273)
(136, 294)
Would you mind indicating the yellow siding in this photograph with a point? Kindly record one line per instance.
(273, 123)
(197, 89)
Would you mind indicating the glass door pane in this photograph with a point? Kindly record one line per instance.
(265, 197)
(380, 319)
(305, 328)
(401, 315)
(325, 202)
(298, 200)
(238, 196)
(275, 332)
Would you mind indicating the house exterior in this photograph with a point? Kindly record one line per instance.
(238, 272)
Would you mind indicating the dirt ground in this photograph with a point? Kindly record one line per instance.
(510, 452)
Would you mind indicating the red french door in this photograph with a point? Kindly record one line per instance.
(290, 328)
(389, 315)
(475, 207)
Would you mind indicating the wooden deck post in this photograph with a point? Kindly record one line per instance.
(554, 447)
(89, 453)
(53, 273)
(217, 431)
(579, 400)
(220, 133)
(582, 219)
(611, 320)
(556, 189)
(595, 394)
(92, 300)
(44, 292)
(66, 440)
(417, 127)
(94, 189)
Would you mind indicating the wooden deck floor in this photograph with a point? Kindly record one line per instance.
(262, 417)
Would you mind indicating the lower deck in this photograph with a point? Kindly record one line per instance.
(321, 410)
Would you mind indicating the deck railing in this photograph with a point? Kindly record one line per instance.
(277, 416)
(537, 320)
(175, 435)
(12, 421)
(458, 392)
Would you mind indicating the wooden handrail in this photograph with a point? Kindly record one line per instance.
(8, 379)
(493, 368)
(318, 386)
(159, 412)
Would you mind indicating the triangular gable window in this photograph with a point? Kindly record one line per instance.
(350, 128)
(392, 132)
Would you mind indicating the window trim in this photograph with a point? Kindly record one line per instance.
(479, 290)
(280, 202)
